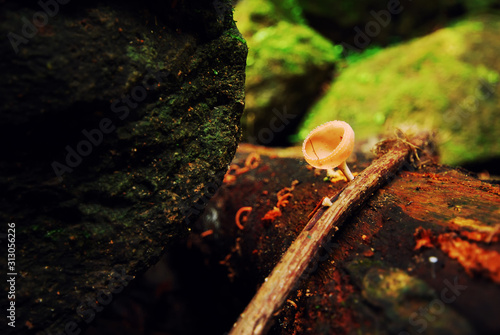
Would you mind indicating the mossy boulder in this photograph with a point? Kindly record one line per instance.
(287, 64)
(447, 81)
(118, 122)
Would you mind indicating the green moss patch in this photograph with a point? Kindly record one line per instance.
(446, 81)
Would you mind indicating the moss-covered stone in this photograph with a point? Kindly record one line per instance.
(287, 64)
(448, 81)
(253, 15)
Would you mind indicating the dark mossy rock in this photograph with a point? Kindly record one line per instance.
(118, 122)
(422, 254)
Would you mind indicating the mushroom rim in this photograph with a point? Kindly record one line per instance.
(343, 148)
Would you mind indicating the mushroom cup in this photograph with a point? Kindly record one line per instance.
(329, 145)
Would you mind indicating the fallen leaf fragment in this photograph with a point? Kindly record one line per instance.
(423, 238)
(473, 258)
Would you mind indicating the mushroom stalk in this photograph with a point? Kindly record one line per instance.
(345, 170)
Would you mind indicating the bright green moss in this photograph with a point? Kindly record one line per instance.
(253, 15)
(283, 52)
(250, 16)
(144, 53)
(434, 82)
(288, 49)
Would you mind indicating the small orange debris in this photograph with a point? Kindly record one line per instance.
(337, 176)
(480, 231)
(225, 261)
(368, 253)
(228, 178)
(472, 257)
(423, 238)
(251, 162)
(282, 200)
(474, 235)
(238, 214)
(207, 233)
(291, 302)
(241, 170)
(283, 195)
(291, 188)
(318, 205)
(272, 214)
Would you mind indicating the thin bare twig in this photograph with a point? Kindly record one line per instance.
(256, 318)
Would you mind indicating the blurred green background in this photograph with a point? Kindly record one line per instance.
(378, 65)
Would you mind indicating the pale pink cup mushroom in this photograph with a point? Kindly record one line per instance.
(328, 146)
